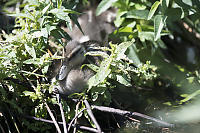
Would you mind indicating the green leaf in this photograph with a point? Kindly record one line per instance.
(104, 5)
(138, 14)
(23, 15)
(133, 56)
(174, 14)
(96, 91)
(59, 3)
(123, 79)
(39, 33)
(74, 18)
(159, 22)
(145, 35)
(119, 19)
(101, 75)
(161, 44)
(164, 5)
(46, 9)
(45, 69)
(59, 33)
(35, 61)
(30, 49)
(61, 14)
(121, 49)
(153, 9)
(191, 96)
(32, 95)
(91, 66)
(190, 79)
(71, 11)
(125, 29)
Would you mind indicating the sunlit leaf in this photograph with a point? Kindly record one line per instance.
(123, 79)
(121, 49)
(153, 9)
(46, 9)
(191, 96)
(30, 50)
(101, 75)
(159, 22)
(137, 14)
(103, 6)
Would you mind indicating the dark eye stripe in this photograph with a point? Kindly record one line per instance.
(75, 53)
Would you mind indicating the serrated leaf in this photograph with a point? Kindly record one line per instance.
(153, 9)
(159, 22)
(103, 6)
(30, 50)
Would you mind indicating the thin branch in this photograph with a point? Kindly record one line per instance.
(70, 124)
(61, 123)
(14, 121)
(75, 121)
(6, 121)
(53, 118)
(62, 114)
(130, 114)
(29, 82)
(2, 129)
(92, 115)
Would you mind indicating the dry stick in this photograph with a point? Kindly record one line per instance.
(62, 114)
(92, 116)
(14, 121)
(70, 124)
(53, 118)
(6, 121)
(129, 114)
(61, 123)
(75, 121)
(2, 129)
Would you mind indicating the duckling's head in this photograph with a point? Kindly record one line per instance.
(74, 56)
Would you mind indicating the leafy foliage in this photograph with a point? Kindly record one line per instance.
(134, 61)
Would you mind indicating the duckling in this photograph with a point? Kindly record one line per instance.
(71, 77)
